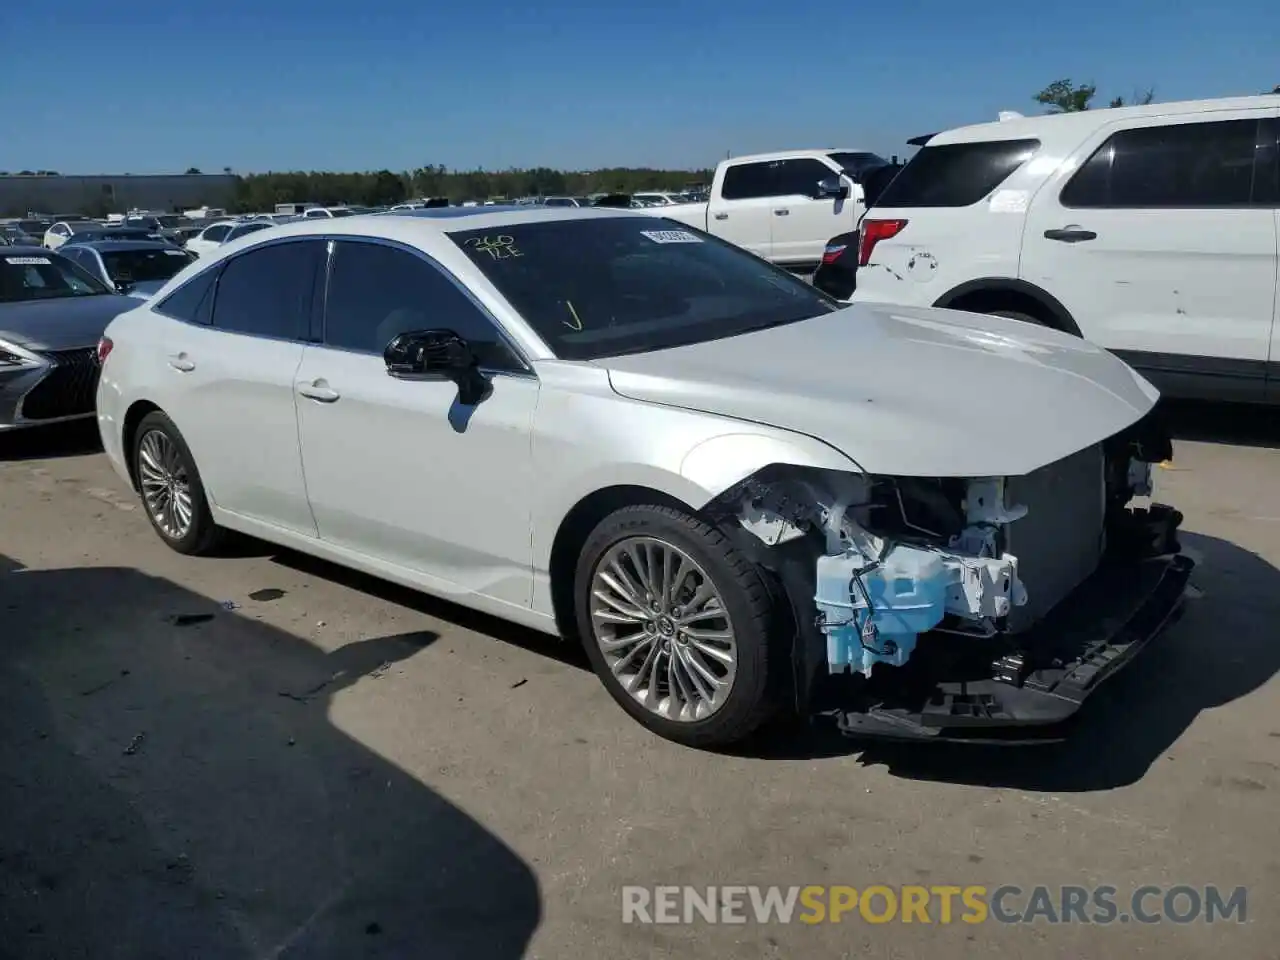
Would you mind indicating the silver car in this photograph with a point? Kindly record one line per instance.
(52, 314)
(737, 493)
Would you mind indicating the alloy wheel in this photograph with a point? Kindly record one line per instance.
(663, 628)
(165, 483)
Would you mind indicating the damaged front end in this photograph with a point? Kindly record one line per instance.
(965, 608)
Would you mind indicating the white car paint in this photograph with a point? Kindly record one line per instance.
(781, 223)
(1183, 292)
(472, 514)
(210, 238)
(949, 350)
(60, 232)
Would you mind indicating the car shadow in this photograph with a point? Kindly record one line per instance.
(172, 786)
(570, 654)
(1239, 424)
(77, 439)
(1222, 649)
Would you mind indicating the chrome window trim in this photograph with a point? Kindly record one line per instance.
(330, 241)
(217, 269)
(433, 263)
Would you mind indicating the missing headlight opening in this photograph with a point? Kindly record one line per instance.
(902, 578)
(898, 556)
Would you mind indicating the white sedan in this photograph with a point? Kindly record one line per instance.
(211, 237)
(736, 492)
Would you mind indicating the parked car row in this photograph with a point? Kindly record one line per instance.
(631, 418)
(631, 425)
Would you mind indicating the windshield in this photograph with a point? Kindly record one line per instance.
(33, 226)
(341, 212)
(599, 288)
(139, 266)
(855, 163)
(143, 223)
(44, 278)
(171, 221)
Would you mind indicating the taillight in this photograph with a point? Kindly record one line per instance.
(873, 231)
(833, 252)
(104, 349)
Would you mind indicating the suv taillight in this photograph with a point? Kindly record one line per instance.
(833, 252)
(873, 231)
(104, 349)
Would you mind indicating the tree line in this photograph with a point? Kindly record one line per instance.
(1064, 96)
(262, 191)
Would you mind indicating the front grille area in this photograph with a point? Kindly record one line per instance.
(1059, 542)
(69, 389)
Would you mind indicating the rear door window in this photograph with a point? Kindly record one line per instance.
(267, 292)
(1183, 165)
(191, 302)
(956, 174)
(217, 234)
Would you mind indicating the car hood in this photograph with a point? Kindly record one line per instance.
(60, 324)
(905, 391)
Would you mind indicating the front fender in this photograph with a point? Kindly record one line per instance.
(588, 439)
(717, 463)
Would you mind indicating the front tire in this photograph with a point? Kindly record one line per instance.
(676, 623)
(169, 485)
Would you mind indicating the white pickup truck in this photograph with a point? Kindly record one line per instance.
(782, 206)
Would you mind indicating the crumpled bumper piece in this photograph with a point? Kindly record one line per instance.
(1095, 632)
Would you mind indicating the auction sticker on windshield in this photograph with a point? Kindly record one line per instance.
(671, 236)
(26, 261)
(175, 253)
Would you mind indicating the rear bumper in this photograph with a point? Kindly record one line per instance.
(1025, 693)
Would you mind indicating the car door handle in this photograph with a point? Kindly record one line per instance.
(318, 390)
(722, 216)
(781, 213)
(1071, 234)
(182, 363)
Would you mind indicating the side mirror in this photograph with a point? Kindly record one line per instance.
(437, 355)
(832, 188)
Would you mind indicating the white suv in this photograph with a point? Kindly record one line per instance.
(1149, 230)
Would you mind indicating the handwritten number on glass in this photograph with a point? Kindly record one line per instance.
(500, 247)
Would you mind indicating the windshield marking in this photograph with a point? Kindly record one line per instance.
(498, 248)
(670, 236)
(576, 323)
(28, 261)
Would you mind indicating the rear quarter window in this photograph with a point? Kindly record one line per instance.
(956, 174)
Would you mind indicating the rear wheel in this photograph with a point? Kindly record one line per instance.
(170, 488)
(676, 623)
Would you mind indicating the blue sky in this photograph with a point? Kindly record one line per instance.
(149, 87)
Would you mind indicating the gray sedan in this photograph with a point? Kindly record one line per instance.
(135, 267)
(52, 314)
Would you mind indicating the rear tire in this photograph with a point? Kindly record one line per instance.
(169, 486)
(676, 623)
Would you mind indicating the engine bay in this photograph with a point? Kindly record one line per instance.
(872, 564)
